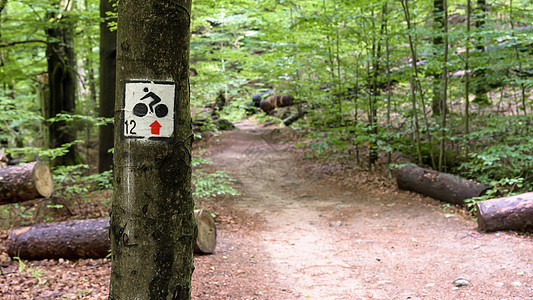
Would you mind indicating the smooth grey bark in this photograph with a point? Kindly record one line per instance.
(108, 54)
(152, 226)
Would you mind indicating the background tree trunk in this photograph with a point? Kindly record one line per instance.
(414, 73)
(438, 25)
(152, 226)
(61, 83)
(444, 90)
(479, 78)
(467, 67)
(108, 55)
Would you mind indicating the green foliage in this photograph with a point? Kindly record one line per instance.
(325, 54)
(500, 188)
(210, 184)
(15, 211)
(502, 154)
(75, 182)
(32, 153)
(36, 273)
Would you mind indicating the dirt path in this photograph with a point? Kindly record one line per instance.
(319, 239)
(306, 231)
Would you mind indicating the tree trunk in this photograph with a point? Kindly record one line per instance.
(479, 78)
(507, 213)
(467, 67)
(389, 90)
(152, 225)
(25, 182)
(438, 185)
(87, 239)
(438, 25)
(108, 55)
(414, 73)
(444, 90)
(62, 85)
(376, 93)
(414, 61)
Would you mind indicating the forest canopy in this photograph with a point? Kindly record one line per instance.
(444, 84)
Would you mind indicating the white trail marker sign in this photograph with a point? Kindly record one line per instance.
(148, 109)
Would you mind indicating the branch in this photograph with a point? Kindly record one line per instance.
(22, 42)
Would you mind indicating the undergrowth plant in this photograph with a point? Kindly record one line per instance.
(210, 184)
(36, 272)
(75, 182)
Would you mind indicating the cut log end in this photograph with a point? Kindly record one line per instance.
(43, 179)
(207, 233)
(25, 182)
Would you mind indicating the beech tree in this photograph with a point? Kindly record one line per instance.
(108, 51)
(366, 77)
(61, 97)
(438, 21)
(152, 226)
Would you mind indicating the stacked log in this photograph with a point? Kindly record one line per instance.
(86, 239)
(25, 182)
(256, 99)
(438, 185)
(271, 102)
(507, 213)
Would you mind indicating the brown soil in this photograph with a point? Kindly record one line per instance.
(303, 230)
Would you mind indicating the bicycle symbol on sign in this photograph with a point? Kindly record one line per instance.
(141, 109)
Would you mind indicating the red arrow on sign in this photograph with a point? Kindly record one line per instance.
(155, 128)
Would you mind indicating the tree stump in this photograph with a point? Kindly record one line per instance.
(207, 232)
(507, 213)
(87, 239)
(25, 182)
(438, 185)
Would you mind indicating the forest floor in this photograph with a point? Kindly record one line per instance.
(303, 229)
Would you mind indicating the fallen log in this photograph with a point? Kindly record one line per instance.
(70, 240)
(25, 182)
(293, 118)
(507, 213)
(256, 99)
(438, 185)
(271, 102)
(86, 239)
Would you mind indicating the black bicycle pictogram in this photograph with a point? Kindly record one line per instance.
(141, 109)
